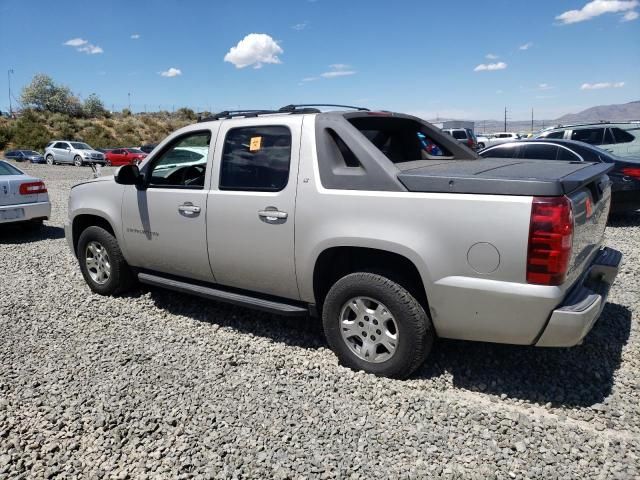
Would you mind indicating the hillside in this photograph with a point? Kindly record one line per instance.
(33, 129)
(613, 113)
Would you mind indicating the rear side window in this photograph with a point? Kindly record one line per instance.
(622, 136)
(6, 169)
(256, 159)
(60, 145)
(593, 136)
(503, 151)
(566, 154)
(538, 151)
(559, 134)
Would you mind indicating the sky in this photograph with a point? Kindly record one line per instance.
(462, 59)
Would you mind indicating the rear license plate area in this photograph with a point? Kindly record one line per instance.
(12, 214)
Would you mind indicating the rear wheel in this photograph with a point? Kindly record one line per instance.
(480, 145)
(77, 161)
(50, 160)
(102, 264)
(374, 324)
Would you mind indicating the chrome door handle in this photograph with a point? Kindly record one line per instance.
(189, 208)
(272, 215)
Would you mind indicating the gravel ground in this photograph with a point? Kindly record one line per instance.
(163, 385)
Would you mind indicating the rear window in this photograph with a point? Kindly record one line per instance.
(401, 140)
(6, 169)
(593, 136)
(559, 134)
(459, 134)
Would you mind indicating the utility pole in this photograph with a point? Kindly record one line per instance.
(532, 120)
(505, 119)
(9, 72)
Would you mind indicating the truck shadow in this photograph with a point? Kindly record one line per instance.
(622, 220)
(17, 234)
(579, 377)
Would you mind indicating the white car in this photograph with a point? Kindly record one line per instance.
(503, 137)
(23, 198)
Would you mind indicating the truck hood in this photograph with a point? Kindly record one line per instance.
(104, 178)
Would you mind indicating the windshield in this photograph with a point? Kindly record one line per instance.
(7, 169)
(80, 146)
(134, 150)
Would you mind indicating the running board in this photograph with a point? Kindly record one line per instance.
(219, 295)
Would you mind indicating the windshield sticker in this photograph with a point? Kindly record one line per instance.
(256, 144)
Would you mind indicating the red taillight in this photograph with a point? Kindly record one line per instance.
(631, 172)
(550, 240)
(470, 142)
(31, 188)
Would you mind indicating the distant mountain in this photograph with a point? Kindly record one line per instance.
(613, 113)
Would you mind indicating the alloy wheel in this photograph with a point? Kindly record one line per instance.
(98, 262)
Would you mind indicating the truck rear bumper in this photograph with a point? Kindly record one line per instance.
(571, 321)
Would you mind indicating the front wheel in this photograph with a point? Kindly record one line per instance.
(480, 146)
(376, 325)
(77, 161)
(102, 264)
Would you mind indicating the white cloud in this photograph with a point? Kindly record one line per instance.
(629, 16)
(544, 86)
(300, 26)
(255, 49)
(338, 70)
(491, 56)
(601, 85)
(135, 36)
(172, 72)
(309, 79)
(82, 45)
(526, 46)
(595, 8)
(76, 42)
(490, 66)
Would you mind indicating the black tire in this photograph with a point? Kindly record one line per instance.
(77, 161)
(480, 146)
(415, 331)
(121, 277)
(50, 160)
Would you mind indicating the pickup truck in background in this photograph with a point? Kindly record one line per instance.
(391, 231)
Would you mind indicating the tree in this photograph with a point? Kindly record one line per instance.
(44, 94)
(93, 106)
(186, 114)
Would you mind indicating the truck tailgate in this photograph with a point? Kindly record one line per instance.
(500, 176)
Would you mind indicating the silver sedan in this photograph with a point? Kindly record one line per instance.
(23, 198)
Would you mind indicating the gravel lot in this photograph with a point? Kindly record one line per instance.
(164, 385)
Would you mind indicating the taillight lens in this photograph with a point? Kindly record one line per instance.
(31, 188)
(470, 142)
(631, 172)
(550, 240)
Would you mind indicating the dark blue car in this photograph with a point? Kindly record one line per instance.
(24, 156)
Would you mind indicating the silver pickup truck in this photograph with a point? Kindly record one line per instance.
(389, 230)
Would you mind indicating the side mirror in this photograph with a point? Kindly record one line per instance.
(129, 175)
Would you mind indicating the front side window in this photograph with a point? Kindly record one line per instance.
(80, 146)
(503, 151)
(622, 136)
(593, 136)
(256, 159)
(183, 164)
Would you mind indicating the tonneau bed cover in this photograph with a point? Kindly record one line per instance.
(500, 176)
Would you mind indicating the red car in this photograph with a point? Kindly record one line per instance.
(125, 156)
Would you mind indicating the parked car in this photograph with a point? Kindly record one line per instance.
(392, 249)
(105, 150)
(619, 138)
(483, 140)
(502, 137)
(23, 198)
(625, 176)
(463, 135)
(77, 153)
(148, 148)
(125, 156)
(24, 156)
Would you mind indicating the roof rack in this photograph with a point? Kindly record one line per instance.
(308, 107)
(236, 113)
